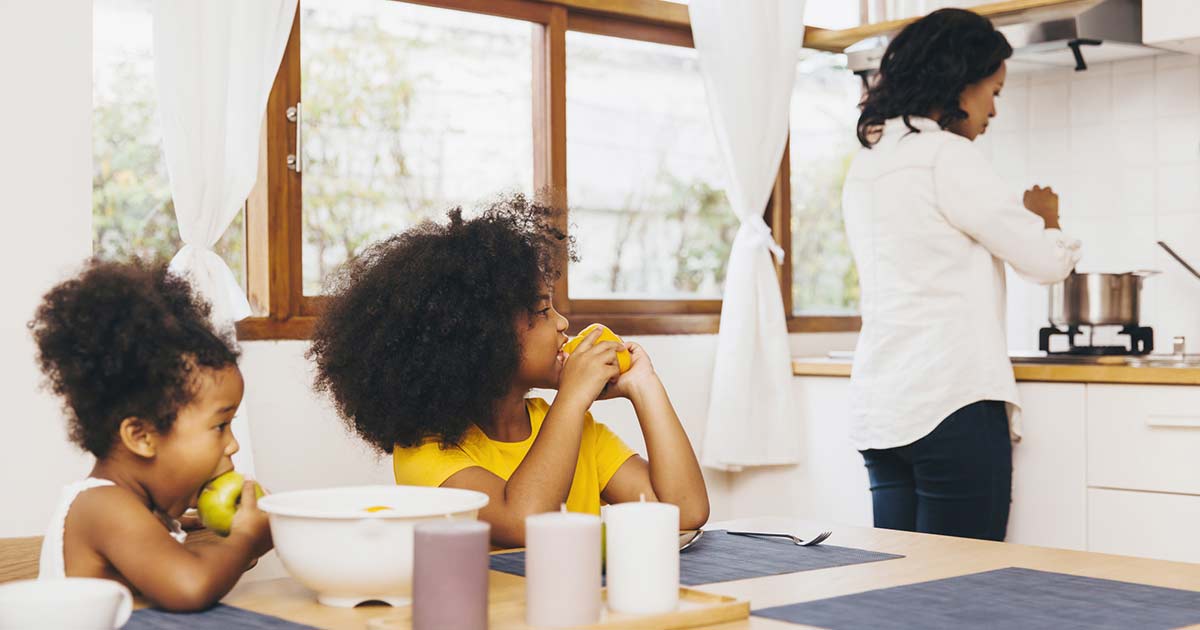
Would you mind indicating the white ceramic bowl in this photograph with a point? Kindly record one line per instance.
(329, 542)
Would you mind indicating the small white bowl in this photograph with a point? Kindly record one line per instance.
(329, 542)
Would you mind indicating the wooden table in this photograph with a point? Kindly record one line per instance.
(926, 558)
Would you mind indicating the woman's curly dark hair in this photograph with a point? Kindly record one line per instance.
(925, 69)
(121, 340)
(418, 339)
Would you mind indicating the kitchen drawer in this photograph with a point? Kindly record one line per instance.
(1145, 524)
(1144, 437)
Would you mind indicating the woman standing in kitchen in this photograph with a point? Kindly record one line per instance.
(931, 226)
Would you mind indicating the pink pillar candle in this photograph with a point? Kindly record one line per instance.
(562, 569)
(642, 548)
(450, 575)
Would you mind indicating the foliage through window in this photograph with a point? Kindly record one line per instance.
(407, 111)
(132, 212)
(644, 173)
(824, 113)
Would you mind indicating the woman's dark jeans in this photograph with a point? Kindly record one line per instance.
(955, 481)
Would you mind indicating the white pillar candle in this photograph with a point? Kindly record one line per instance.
(562, 569)
(642, 545)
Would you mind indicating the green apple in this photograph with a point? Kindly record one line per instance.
(219, 499)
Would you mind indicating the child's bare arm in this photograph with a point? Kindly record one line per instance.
(542, 481)
(171, 576)
(673, 474)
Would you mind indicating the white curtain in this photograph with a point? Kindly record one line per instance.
(214, 64)
(748, 52)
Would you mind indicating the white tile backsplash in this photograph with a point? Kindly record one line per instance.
(1178, 188)
(1133, 95)
(1177, 91)
(1049, 149)
(1091, 99)
(1048, 105)
(1173, 298)
(1136, 191)
(1141, 65)
(1134, 142)
(1178, 138)
(1120, 143)
(1012, 108)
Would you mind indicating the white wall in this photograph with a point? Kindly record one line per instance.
(1121, 144)
(45, 173)
(299, 441)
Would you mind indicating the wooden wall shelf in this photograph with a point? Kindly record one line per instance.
(1000, 13)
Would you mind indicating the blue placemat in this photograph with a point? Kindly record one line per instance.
(1021, 599)
(219, 617)
(719, 557)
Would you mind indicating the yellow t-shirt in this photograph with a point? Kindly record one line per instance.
(601, 453)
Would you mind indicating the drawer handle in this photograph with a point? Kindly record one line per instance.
(1174, 422)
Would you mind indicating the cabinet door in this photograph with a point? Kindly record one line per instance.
(1146, 524)
(1144, 437)
(1171, 24)
(1049, 505)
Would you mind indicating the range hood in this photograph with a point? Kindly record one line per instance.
(1070, 36)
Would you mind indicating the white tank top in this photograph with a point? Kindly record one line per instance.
(52, 565)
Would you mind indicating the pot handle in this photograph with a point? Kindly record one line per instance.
(1179, 259)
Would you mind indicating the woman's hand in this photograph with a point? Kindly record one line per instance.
(1044, 203)
(587, 371)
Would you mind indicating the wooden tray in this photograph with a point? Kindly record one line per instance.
(696, 609)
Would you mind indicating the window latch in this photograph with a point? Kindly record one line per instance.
(294, 115)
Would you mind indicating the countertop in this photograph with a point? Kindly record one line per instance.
(1034, 367)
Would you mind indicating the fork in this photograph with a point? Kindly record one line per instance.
(795, 540)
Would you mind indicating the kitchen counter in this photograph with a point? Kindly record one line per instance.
(1044, 369)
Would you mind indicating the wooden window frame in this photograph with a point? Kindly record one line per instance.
(274, 220)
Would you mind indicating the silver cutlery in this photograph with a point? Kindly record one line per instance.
(795, 540)
(691, 541)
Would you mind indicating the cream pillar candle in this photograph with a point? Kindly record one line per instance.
(562, 569)
(642, 545)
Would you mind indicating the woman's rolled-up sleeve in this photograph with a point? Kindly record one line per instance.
(978, 202)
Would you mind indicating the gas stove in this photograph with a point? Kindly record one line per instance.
(1139, 340)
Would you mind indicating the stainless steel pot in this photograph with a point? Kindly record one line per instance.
(1097, 299)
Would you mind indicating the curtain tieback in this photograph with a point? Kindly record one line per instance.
(756, 233)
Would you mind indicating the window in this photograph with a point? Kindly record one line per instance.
(823, 119)
(411, 107)
(407, 111)
(132, 213)
(644, 173)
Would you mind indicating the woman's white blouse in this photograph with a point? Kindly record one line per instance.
(931, 225)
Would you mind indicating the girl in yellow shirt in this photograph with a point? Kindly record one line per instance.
(431, 342)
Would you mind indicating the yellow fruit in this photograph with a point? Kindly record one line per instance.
(219, 499)
(376, 508)
(623, 358)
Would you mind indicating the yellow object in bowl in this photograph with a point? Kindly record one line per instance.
(624, 359)
(376, 508)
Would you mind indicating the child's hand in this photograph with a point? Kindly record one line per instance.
(641, 370)
(587, 371)
(252, 522)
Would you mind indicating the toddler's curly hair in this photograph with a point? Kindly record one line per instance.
(419, 338)
(124, 339)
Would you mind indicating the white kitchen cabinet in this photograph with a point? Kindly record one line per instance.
(1049, 477)
(1145, 524)
(1144, 437)
(1172, 24)
(836, 485)
(1049, 505)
